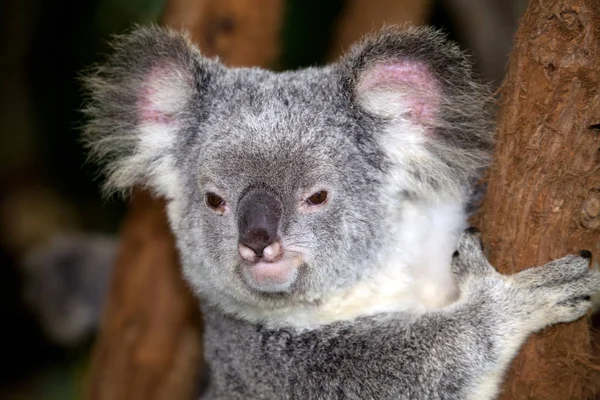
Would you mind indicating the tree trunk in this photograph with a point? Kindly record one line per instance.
(149, 345)
(543, 197)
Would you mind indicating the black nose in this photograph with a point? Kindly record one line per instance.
(259, 215)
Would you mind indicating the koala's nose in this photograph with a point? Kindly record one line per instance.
(259, 216)
(270, 253)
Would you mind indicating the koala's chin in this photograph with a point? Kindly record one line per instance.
(272, 277)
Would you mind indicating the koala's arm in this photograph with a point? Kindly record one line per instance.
(460, 352)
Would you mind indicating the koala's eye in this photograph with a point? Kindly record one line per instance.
(214, 201)
(317, 198)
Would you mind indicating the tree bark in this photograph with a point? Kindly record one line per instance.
(543, 196)
(149, 345)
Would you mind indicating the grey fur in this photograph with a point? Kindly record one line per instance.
(460, 352)
(287, 131)
(163, 116)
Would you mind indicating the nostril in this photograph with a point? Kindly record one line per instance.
(256, 248)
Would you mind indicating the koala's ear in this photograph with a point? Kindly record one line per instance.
(140, 105)
(434, 116)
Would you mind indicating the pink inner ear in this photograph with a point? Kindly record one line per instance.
(148, 111)
(413, 80)
(163, 93)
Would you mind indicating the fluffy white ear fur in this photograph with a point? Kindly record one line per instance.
(401, 90)
(161, 108)
(407, 95)
(139, 103)
(164, 94)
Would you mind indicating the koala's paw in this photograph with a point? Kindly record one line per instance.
(559, 291)
(468, 261)
(532, 299)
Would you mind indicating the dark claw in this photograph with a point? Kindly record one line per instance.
(575, 301)
(473, 231)
(585, 254)
(581, 298)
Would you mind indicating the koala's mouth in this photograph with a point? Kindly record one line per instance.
(271, 277)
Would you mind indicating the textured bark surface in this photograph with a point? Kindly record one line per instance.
(544, 188)
(149, 346)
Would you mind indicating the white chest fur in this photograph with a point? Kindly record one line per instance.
(415, 274)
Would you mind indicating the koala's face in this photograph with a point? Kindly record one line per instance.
(282, 187)
(280, 201)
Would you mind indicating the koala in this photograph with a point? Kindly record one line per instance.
(320, 215)
(65, 282)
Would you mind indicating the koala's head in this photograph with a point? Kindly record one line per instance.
(281, 186)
